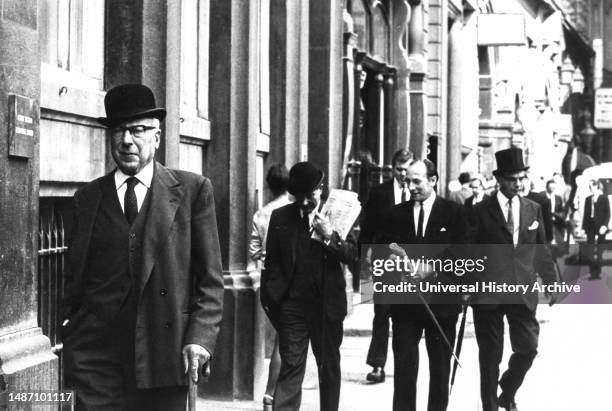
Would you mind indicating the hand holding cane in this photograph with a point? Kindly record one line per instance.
(395, 248)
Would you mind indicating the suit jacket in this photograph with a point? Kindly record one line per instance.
(281, 253)
(381, 199)
(180, 294)
(558, 217)
(602, 214)
(547, 216)
(446, 225)
(506, 263)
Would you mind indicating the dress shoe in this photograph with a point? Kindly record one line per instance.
(377, 375)
(506, 403)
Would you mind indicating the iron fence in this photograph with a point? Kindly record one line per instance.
(52, 261)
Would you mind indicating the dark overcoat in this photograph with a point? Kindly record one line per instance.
(180, 288)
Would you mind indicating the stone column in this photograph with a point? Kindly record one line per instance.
(288, 89)
(399, 53)
(390, 117)
(325, 88)
(26, 360)
(418, 68)
(230, 161)
(350, 101)
(455, 109)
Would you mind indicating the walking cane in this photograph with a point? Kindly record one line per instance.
(458, 347)
(395, 247)
(193, 381)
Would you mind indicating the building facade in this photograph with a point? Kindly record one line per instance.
(247, 84)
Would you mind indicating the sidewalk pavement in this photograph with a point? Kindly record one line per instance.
(571, 372)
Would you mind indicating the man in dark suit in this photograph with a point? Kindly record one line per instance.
(478, 192)
(558, 216)
(595, 221)
(510, 230)
(544, 202)
(380, 200)
(144, 296)
(303, 290)
(425, 219)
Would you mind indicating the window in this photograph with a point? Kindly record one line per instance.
(72, 42)
(194, 68)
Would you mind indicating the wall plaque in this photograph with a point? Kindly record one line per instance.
(23, 122)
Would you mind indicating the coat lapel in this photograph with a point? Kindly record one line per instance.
(166, 195)
(88, 209)
(527, 217)
(496, 213)
(433, 218)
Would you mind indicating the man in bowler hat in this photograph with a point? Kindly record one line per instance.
(143, 299)
(511, 231)
(303, 289)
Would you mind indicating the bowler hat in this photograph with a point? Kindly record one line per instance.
(304, 177)
(129, 102)
(510, 161)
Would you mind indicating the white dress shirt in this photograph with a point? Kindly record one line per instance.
(551, 197)
(145, 176)
(516, 213)
(397, 192)
(427, 205)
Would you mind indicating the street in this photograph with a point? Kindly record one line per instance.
(572, 371)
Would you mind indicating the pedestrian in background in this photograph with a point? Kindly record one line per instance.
(144, 295)
(595, 221)
(382, 197)
(277, 179)
(557, 212)
(464, 192)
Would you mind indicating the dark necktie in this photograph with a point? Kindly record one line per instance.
(129, 201)
(420, 222)
(306, 223)
(510, 222)
(403, 194)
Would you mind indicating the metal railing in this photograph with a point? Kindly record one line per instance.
(52, 259)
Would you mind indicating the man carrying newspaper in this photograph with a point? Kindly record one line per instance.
(303, 288)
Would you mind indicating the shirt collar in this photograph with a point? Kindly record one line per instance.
(503, 200)
(397, 184)
(428, 203)
(145, 176)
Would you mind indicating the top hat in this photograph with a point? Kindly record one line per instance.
(304, 177)
(129, 102)
(510, 161)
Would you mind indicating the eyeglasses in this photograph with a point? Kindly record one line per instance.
(136, 131)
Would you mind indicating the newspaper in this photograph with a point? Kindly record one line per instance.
(342, 208)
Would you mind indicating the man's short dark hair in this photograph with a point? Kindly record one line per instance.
(430, 166)
(277, 179)
(401, 156)
(551, 181)
(465, 178)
